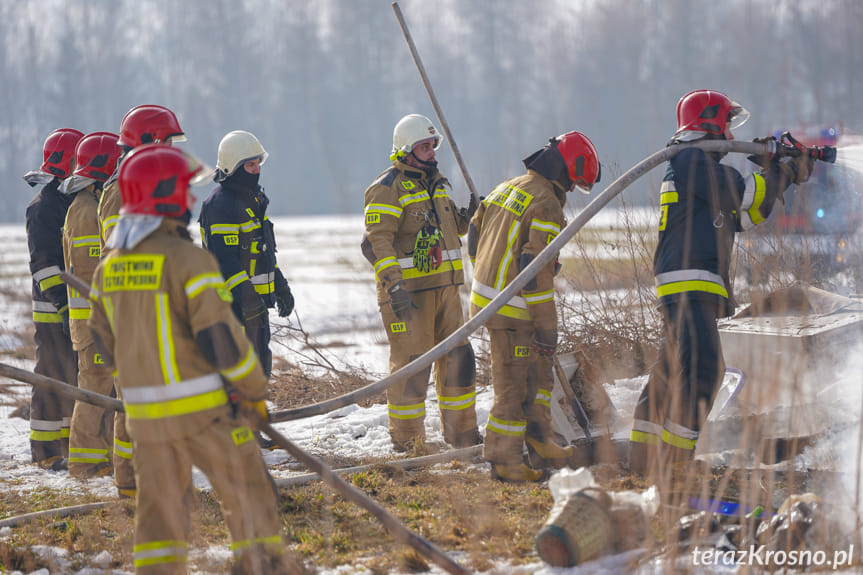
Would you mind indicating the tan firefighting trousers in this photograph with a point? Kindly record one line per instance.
(90, 438)
(522, 383)
(438, 314)
(51, 413)
(226, 451)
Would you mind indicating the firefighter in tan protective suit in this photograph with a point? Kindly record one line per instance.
(91, 435)
(162, 316)
(412, 241)
(143, 124)
(513, 224)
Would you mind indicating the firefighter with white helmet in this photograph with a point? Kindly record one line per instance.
(50, 414)
(412, 242)
(702, 205)
(162, 318)
(512, 225)
(91, 435)
(235, 227)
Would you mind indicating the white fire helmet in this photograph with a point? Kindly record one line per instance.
(235, 149)
(410, 130)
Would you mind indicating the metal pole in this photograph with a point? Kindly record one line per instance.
(434, 101)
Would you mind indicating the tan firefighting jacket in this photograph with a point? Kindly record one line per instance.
(81, 253)
(149, 304)
(513, 224)
(405, 210)
(109, 207)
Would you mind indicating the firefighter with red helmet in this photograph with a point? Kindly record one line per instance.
(161, 316)
(513, 224)
(90, 440)
(703, 203)
(50, 414)
(412, 242)
(144, 124)
(235, 227)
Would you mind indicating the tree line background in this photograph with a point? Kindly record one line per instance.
(322, 83)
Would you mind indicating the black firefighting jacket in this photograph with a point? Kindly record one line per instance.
(236, 229)
(702, 205)
(44, 219)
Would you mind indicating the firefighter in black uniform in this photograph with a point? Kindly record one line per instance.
(236, 228)
(51, 414)
(702, 204)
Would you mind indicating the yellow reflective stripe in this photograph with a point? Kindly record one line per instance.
(170, 373)
(45, 317)
(503, 269)
(243, 368)
(158, 552)
(760, 192)
(81, 241)
(506, 310)
(265, 288)
(457, 402)
(383, 209)
(668, 198)
(236, 279)
(678, 441)
(540, 297)
(249, 226)
(440, 193)
(409, 199)
(227, 229)
(414, 411)
(109, 311)
(109, 222)
(383, 264)
(50, 282)
(508, 428)
(199, 283)
(449, 266)
(123, 448)
(175, 407)
(79, 313)
(543, 397)
(37, 435)
(64, 432)
(692, 285)
(239, 546)
(85, 455)
(542, 226)
(642, 437)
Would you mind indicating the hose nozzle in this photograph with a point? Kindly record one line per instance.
(788, 146)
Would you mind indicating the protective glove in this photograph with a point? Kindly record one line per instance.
(468, 212)
(763, 160)
(545, 342)
(259, 407)
(284, 301)
(401, 302)
(797, 170)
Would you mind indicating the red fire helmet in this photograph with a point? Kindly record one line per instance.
(154, 179)
(150, 124)
(96, 155)
(59, 151)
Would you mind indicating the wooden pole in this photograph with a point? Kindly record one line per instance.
(437, 109)
(57, 386)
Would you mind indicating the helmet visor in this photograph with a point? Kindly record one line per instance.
(738, 115)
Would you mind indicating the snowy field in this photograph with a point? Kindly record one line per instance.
(335, 305)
